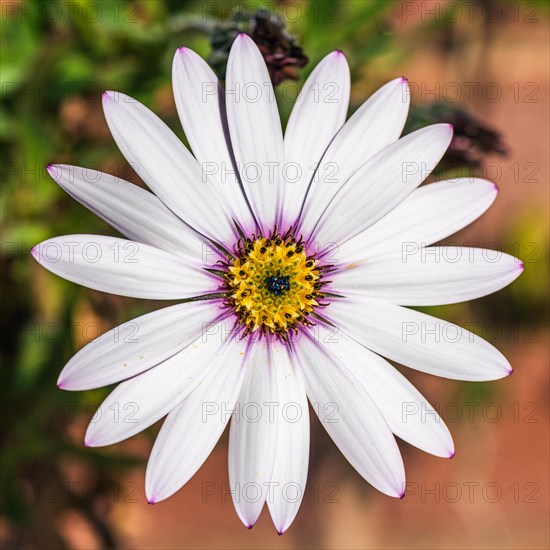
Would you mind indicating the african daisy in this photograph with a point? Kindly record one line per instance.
(292, 258)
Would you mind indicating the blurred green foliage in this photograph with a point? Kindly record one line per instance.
(56, 58)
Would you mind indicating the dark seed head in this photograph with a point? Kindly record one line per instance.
(277, 285)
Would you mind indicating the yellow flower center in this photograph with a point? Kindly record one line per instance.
(272, 284)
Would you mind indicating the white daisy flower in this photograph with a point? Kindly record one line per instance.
(293, 258)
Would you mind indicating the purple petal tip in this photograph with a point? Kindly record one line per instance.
(60, 385)
(34, 251)
(339, 52)
(402, 495)
(404, 80)
(521, 266)
(511, 371)
(182, 49)
(452, 454)
(279, 532)
(495, 187)
(106, 94)
(151, 501)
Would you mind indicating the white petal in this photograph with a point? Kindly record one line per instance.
(201, 108)
(166, 166)
(382, 183)
(418, 340)
(316, 117)
(429, 214)
(288, 482)
(191, 431)
(122, 267)
(408, 414)
(429, 276)
(139, 402)
(136, 346)
(253, 436)
(351, 418)
(376, 124)
(255, 129)
(135, 212)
